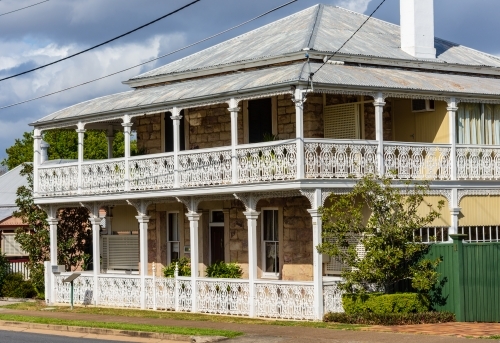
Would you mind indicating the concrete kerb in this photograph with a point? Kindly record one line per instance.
(102, 331)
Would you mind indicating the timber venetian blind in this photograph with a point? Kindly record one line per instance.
(342, 121)
(120, 252)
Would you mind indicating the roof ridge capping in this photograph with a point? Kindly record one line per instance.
(363, 15)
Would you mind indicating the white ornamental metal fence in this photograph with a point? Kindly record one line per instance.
(339, 159)
(417, 161)
(119, 291)
(267, 162)
(480, 162)
(223, 296)
(332, 297)
(284, 300)
(83, 290)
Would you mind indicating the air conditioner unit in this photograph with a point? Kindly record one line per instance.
(420, 105)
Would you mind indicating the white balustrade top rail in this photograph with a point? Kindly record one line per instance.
(269, 161)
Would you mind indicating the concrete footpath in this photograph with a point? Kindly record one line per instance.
(268, 333)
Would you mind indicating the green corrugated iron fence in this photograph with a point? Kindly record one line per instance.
(470, 280)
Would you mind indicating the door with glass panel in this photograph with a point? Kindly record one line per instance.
(216, 237)
(173, 237)
(270, 243)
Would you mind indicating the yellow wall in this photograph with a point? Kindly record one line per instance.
(480, 210)
(431, 202)
(124, 218)
(425, 127)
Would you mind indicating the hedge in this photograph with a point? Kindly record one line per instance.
(380, 303)
(390, 318)
(14, 286)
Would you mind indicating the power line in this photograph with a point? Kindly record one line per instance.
(154, 59)
(347, 41)
(19, 9)
(103, 43)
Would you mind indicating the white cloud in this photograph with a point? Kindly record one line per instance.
(359, 6)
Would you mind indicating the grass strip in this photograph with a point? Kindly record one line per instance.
(122, 326)
(38, 306)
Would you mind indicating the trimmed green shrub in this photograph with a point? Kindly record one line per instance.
(380, 303)
(224, 270)
(14, 286)
(184, 268)
(390, 318)
(4, 270)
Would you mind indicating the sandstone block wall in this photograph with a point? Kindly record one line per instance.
(149, 134)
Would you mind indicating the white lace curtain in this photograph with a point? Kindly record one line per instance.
(479, 124)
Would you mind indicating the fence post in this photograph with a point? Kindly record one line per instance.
(48, 286)
(458, 262)
(154, 286)
(176, 283)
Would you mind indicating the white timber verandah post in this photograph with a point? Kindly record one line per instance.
(234, 109)
(52, 220)
(37, 157)
(317, 226)
(379, 104)
(194, 219)
(127, 130)
(454, 206)
(96, 253)
(252, 215)
(143, 252)
(110, 136)
(299, 100)
(176, 117)
(81, 137)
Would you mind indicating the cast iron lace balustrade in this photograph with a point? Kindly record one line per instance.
(58, 180)
(267, 162)
(478, 162)
(151, 172)
(417, 161)
(183, 290)
(223, 296)
(107, 176)
(83, 289)
(164, 299)
(284, 300)
(339, 159)
(205, 168)
(332, 297)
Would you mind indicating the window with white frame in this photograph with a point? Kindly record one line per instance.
(173, 237)
(270, 242)
(10, 246)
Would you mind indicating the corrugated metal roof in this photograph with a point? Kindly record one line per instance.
(333, 75)
(322, 28)
(9, 183)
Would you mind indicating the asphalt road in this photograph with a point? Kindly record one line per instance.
(22, 337)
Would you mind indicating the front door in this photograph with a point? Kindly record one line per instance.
(216, 244)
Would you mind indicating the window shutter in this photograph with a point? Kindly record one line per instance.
(341, 121)
(10, 246)
(335, 267)
(120, 252)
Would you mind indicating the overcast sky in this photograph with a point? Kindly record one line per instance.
(56, 28)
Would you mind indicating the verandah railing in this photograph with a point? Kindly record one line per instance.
(270, 161)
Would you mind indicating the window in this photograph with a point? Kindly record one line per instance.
(169, 133)
(421, 105)
(478, 124)
(173, 240)
(342, 121)
(217, 236)
(10, 246)
(270, 243)
(260, 120)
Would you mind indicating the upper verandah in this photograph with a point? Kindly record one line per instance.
(320, 29)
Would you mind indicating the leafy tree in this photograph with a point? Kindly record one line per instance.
(64, 145)
(74, 235)
(393, 254)
(4, 270)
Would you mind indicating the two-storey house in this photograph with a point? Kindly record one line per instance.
(240, 149)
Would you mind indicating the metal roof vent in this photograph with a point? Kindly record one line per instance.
(417, 28)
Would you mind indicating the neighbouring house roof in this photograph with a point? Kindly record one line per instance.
(321, 28)
(9, 183)
(338, 76)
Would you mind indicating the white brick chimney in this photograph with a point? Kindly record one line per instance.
(417, 28)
